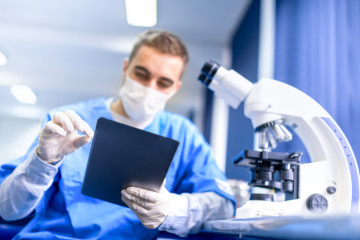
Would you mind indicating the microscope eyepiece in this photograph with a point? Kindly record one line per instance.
(208, 71)
(226, 84)
(210, 68)
(204, 79)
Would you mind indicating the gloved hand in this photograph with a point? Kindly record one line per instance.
(59, 137)
(149, 206)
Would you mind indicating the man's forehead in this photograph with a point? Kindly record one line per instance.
(152, 60)
(149, 52)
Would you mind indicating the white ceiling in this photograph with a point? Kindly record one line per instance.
(72, 50)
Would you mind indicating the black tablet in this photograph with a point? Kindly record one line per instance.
(123, 156)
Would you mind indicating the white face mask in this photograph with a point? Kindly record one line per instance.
(141, 103)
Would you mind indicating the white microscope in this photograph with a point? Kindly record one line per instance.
(328, 185)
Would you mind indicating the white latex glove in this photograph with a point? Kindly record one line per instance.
(149, 206)
(59, 137)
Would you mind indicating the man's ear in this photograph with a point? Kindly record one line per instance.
(178, 85)
(125, 65)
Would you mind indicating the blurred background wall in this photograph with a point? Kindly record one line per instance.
(70, 51)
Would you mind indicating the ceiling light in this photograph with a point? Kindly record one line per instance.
(3, 59)
(23, 94)
(141, 12)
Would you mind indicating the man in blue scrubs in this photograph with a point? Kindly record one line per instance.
(48, 179)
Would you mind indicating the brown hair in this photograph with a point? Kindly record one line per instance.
(163, 41)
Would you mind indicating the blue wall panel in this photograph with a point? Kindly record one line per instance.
(245, 47)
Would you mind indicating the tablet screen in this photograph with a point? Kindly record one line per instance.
(123, 156)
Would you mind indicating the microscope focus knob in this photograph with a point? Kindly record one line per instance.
(317, 203)
(331, 190)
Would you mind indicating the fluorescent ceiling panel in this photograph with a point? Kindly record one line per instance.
(23, 94)
(141, 12)
(3, 59)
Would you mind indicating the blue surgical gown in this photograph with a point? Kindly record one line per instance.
(65, 213)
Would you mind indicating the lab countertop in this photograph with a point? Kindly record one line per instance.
(339, 227)
(334, 227)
